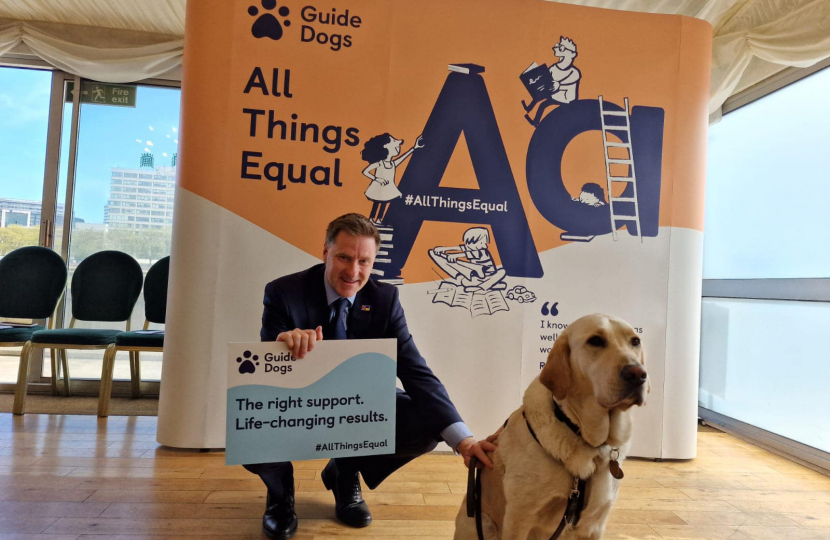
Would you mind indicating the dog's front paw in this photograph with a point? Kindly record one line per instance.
(587, 470)
(581, 463)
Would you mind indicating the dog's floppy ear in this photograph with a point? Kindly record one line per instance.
(556, 375)
(648, 380)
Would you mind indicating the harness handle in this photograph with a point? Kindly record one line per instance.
(471, 487)
(474, 495)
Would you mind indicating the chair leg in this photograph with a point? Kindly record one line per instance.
(137, 379)
(67, 390)
(22, 379)
(106, 381)
(53, 357)
(132, 374)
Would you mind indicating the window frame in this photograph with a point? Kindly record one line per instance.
(36, 383)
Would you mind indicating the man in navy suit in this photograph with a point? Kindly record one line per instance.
(339, 301)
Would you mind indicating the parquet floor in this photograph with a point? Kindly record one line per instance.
(78, 477)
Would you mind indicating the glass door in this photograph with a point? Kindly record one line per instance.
(121, 196)
(28, 190)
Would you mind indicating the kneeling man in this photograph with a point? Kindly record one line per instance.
(337, 300)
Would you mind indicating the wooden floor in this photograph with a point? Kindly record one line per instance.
(78, 477)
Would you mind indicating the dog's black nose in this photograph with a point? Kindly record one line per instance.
(634, 375)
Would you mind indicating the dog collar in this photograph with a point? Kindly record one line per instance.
(562, 417)
(613, 462)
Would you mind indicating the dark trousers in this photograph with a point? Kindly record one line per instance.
(411, 440)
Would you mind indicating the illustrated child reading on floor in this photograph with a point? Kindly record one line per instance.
(470, 264)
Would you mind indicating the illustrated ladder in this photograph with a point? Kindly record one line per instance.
(606, 128)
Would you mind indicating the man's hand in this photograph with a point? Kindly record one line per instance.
(469, 447)
(301, 342)
(494, 437)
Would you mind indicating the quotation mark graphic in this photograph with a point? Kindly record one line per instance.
(553, 312)
(247, 366)
(267, 25)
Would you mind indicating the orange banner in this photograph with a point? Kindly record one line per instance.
(296, 113)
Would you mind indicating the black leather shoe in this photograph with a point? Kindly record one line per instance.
(279, 521)
(349, 505)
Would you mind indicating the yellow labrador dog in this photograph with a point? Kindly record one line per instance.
(594, 374)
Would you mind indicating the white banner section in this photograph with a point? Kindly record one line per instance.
(338, 401)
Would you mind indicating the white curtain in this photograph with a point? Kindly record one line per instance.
(798, 36)
(745, 32)
(100, 54)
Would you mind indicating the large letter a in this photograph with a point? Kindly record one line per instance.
(464, 106)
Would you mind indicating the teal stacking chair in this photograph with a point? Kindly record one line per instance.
(155, 306)
(32, 281)
(104, 288)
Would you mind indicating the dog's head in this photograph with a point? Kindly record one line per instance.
(600, 356)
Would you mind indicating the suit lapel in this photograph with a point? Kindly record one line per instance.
(360, 316)
(316, 304)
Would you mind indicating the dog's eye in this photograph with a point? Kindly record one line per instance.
(635, 341)
(596, 341)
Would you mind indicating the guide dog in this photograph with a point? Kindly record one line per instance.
(594, 374)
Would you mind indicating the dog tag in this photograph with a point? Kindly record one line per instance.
(616, 470)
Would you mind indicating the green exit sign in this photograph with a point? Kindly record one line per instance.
(119, 95)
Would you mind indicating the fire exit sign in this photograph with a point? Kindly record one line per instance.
(119, 95)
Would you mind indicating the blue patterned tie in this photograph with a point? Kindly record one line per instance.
(338, 323)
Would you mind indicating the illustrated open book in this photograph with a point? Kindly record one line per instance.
(477, 302)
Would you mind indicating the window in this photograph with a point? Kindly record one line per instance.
(767, 187)
(122, 223)
(24, 117)
(105, 206)
(765, 267)
(24, 204)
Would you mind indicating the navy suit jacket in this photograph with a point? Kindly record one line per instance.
(299, 301)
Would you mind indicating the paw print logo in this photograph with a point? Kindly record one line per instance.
(266, 24)
(247, 365)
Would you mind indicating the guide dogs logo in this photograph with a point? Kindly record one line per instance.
(323, 27)
(266, 24)
(249, 364)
